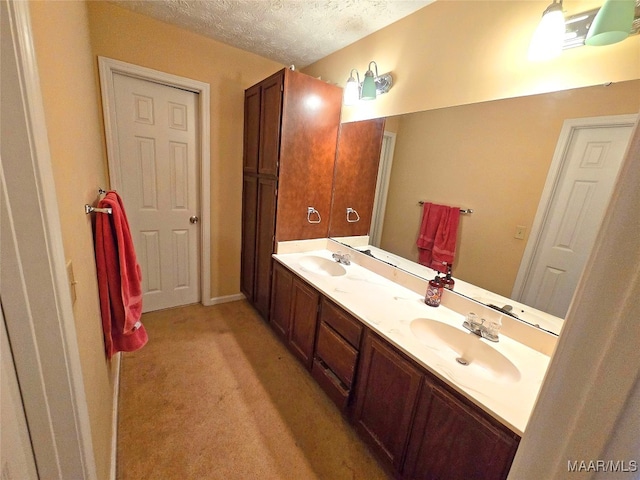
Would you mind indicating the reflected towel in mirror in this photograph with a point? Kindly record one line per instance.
(438, 234)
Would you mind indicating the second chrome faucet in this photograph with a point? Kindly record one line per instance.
(483, 328)
(342, 258)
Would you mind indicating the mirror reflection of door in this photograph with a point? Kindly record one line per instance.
(382, 187)
(586, 164)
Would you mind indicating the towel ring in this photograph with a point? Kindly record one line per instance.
(350, 212)
(312, 211)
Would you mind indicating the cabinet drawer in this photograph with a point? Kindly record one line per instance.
(341, 322)
(331, 385)
(336, 353)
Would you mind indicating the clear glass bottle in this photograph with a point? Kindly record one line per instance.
(434, 292)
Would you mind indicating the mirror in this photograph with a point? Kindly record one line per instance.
(492, 157)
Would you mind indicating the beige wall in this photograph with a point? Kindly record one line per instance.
(61, 39)
(461, 52)
(492, 157)
(123, 35)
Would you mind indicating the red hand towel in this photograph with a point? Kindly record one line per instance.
(438, 235)
(119, 280)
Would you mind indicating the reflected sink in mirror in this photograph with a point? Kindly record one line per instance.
(465, 350)
(321, 266)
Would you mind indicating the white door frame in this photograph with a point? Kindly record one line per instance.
(33, 279)
(558, 164)
(110, 67)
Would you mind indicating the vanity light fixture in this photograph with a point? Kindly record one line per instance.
(549, 34)
(352, 89)
(369, 84)
(613, 23)
(372, 86)
(577, 27)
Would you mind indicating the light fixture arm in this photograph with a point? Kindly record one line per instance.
(556, 5)
(369, 72)
(351, 79)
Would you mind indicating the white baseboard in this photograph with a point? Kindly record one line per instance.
(225, 299)
(114, 415)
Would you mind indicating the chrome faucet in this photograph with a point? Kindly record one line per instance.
(342, 258)
(483, 328)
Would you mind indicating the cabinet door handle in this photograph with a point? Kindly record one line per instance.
(350, 215)
(311, 212)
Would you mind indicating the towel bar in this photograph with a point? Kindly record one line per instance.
(464, 211)
(89, 209)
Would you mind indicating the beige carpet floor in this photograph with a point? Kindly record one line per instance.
(215, 395)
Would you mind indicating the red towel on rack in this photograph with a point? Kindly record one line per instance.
(438, 235)
(119, 279)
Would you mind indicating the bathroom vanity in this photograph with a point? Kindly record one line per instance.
(430, 398)
(388, 361)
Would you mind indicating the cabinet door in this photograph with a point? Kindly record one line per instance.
(310, 120)
(249, 216)
(252, 97)
(454, 440)
(304, 314)
(264, 244)
(280, 318)
(270, 123)
(386, 395)
(356, 172)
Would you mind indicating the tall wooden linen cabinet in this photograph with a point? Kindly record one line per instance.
(291, 125)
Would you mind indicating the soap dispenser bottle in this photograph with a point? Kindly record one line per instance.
(434, 292)
(448, 282)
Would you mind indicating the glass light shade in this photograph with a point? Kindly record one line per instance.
(612, 24)
(351, 92)
(549, 35)
(368, 87)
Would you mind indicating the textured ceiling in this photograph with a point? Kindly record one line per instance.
(295, 32)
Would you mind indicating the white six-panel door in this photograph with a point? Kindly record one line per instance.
(156, 134)
(591, 163)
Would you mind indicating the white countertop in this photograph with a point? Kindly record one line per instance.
(388, 309)
(524, 312)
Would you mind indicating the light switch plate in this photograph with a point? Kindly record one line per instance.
(72, 281)
(521, 231)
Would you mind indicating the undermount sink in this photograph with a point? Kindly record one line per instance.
(321, 266)
(465, 350)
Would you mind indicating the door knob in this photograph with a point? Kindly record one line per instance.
(194, 219)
